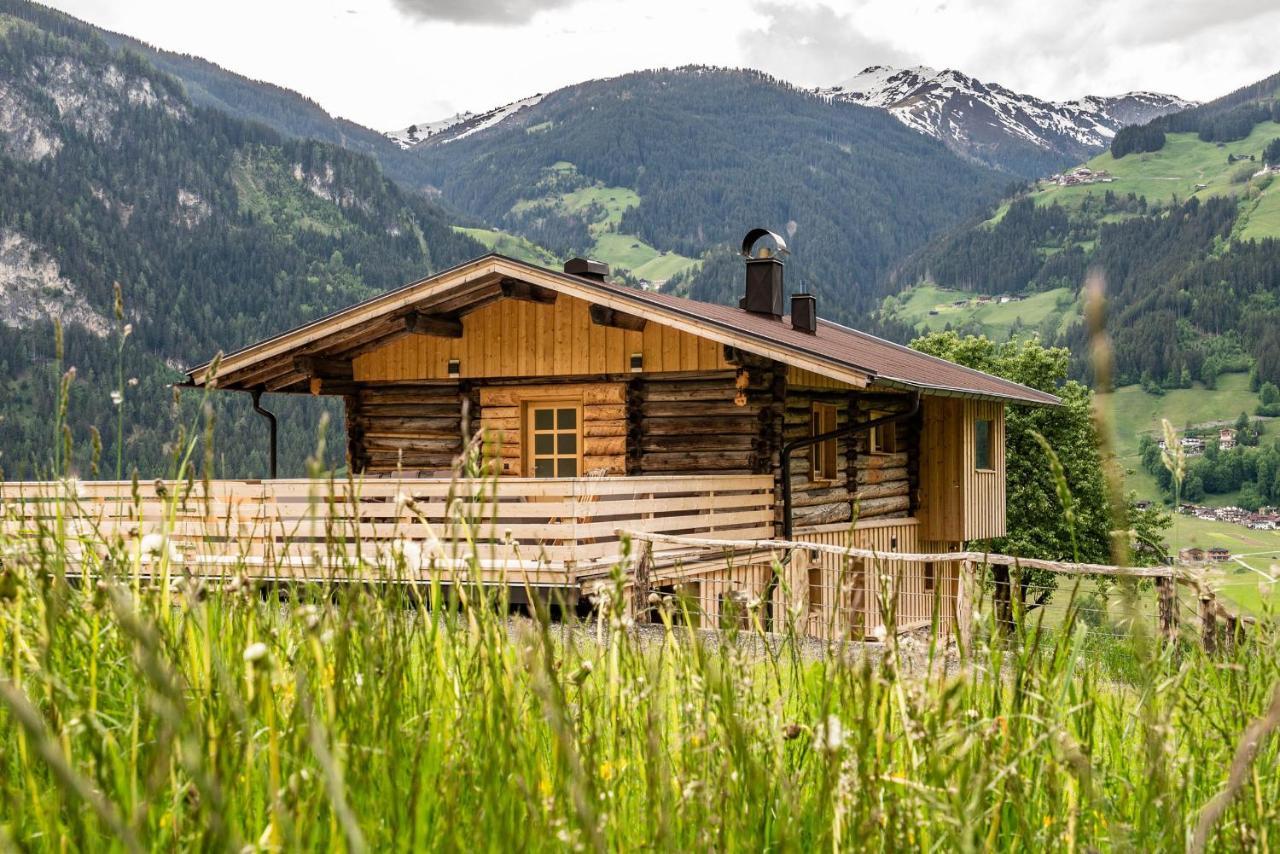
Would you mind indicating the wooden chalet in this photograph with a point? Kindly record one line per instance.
(603, 407)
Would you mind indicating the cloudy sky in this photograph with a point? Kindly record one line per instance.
(386, 63)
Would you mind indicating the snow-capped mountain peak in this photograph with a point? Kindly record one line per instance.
(984, 120)
(459, 125)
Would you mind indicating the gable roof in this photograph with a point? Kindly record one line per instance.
(835, 351)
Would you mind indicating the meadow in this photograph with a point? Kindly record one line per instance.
(192, 713)
(1185, 167)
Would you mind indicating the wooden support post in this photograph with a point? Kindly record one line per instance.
(1001, 598)
(1208, 622)
(640, 585)
(1166, 590)
(966, 588)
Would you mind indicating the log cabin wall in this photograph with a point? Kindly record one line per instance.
(412, 427)
(722, 422)
(604, 408)
(884, 484)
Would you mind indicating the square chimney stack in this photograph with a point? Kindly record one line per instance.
(764, 293)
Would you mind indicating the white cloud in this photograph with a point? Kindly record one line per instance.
(399, 61)
(500, 12)
(814, 45)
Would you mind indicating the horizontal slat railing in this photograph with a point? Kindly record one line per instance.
(546, 531)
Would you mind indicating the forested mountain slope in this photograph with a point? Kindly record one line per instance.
(217, 231)
(686, 161)
(1186, 234)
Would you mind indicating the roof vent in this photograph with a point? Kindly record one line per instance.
(764, 273)
(804, 313)
(587, 269)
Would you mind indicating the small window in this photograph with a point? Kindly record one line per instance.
(883, 439)
(823, 419)
(983, 433)
(553, 440)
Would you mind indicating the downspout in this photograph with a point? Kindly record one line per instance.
(806, 441)
(838, 433)
(271, 421)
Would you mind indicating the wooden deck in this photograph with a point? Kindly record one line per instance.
(515, 531)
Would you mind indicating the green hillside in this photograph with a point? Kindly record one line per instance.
(565, 195)
(929, 308)
(1136, 412)
(510, 245)
(1186, 167)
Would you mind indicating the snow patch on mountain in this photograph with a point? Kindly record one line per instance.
(973, 117)
(460, 125)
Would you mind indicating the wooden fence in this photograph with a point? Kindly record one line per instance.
(863, 606)
(514, 530)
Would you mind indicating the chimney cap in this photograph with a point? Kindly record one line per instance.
(754, 235)
(587, 268)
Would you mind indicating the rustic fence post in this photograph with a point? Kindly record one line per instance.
(1001, 598)
(966, 584)
(1166, 590)
(640, 586)
(1208, 622)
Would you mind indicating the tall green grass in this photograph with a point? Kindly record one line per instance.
(184, 713)
(379, 718)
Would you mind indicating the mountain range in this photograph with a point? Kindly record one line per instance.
(989, 123)
(984, 122)
(227, 209)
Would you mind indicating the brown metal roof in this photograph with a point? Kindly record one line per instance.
(834, 347)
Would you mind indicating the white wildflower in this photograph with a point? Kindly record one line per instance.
(255, 652)
(359, 679)
(133, 381)
(117, 397)
(158, 545)
(828, 737)
(406, 552)
(880, 633)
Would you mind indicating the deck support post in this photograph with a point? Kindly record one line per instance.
(1208, 622)
(966, 585)
(1002, 598)
(1166, 590)
(641, 611)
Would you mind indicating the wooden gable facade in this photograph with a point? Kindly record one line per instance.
(568, 377)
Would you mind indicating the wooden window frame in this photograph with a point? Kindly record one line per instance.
(876, 443)
(529, 406)
(823, 418)
(991, 445)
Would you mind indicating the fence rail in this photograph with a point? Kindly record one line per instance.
(862, 607)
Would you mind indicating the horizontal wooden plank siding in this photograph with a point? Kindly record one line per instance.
(516, 338)
(548, 531)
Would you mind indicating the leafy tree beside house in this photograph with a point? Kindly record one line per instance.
(1271, 154)
(1037, 523)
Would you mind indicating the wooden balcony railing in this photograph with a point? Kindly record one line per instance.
(517, 530)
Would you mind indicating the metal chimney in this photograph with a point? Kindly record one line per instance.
(804, 313)
(764, 294)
